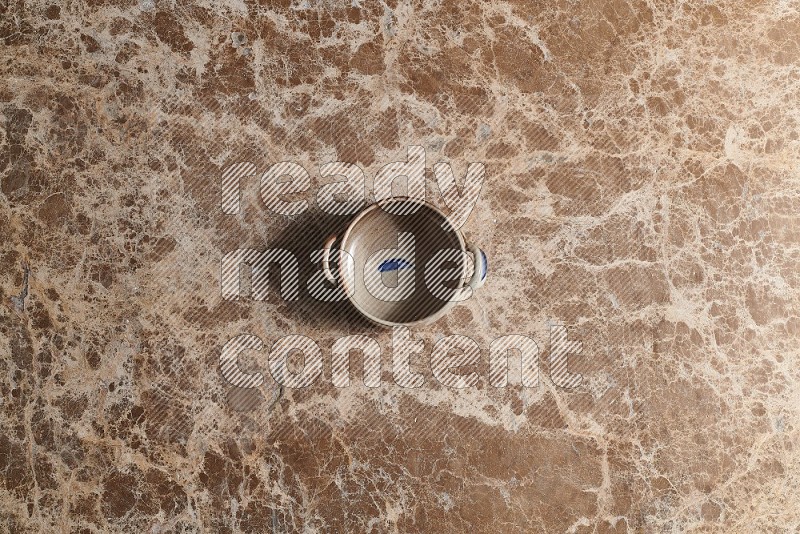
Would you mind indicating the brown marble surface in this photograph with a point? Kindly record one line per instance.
(642, 188)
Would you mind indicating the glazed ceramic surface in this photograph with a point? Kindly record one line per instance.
(391, 244)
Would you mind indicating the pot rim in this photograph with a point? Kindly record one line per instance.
(350, 292)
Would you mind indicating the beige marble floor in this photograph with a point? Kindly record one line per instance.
(642, 188)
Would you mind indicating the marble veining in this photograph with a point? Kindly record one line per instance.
(642, 188)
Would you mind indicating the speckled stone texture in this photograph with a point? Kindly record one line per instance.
(642, 188)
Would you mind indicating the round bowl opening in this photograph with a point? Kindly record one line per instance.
(390, 251)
